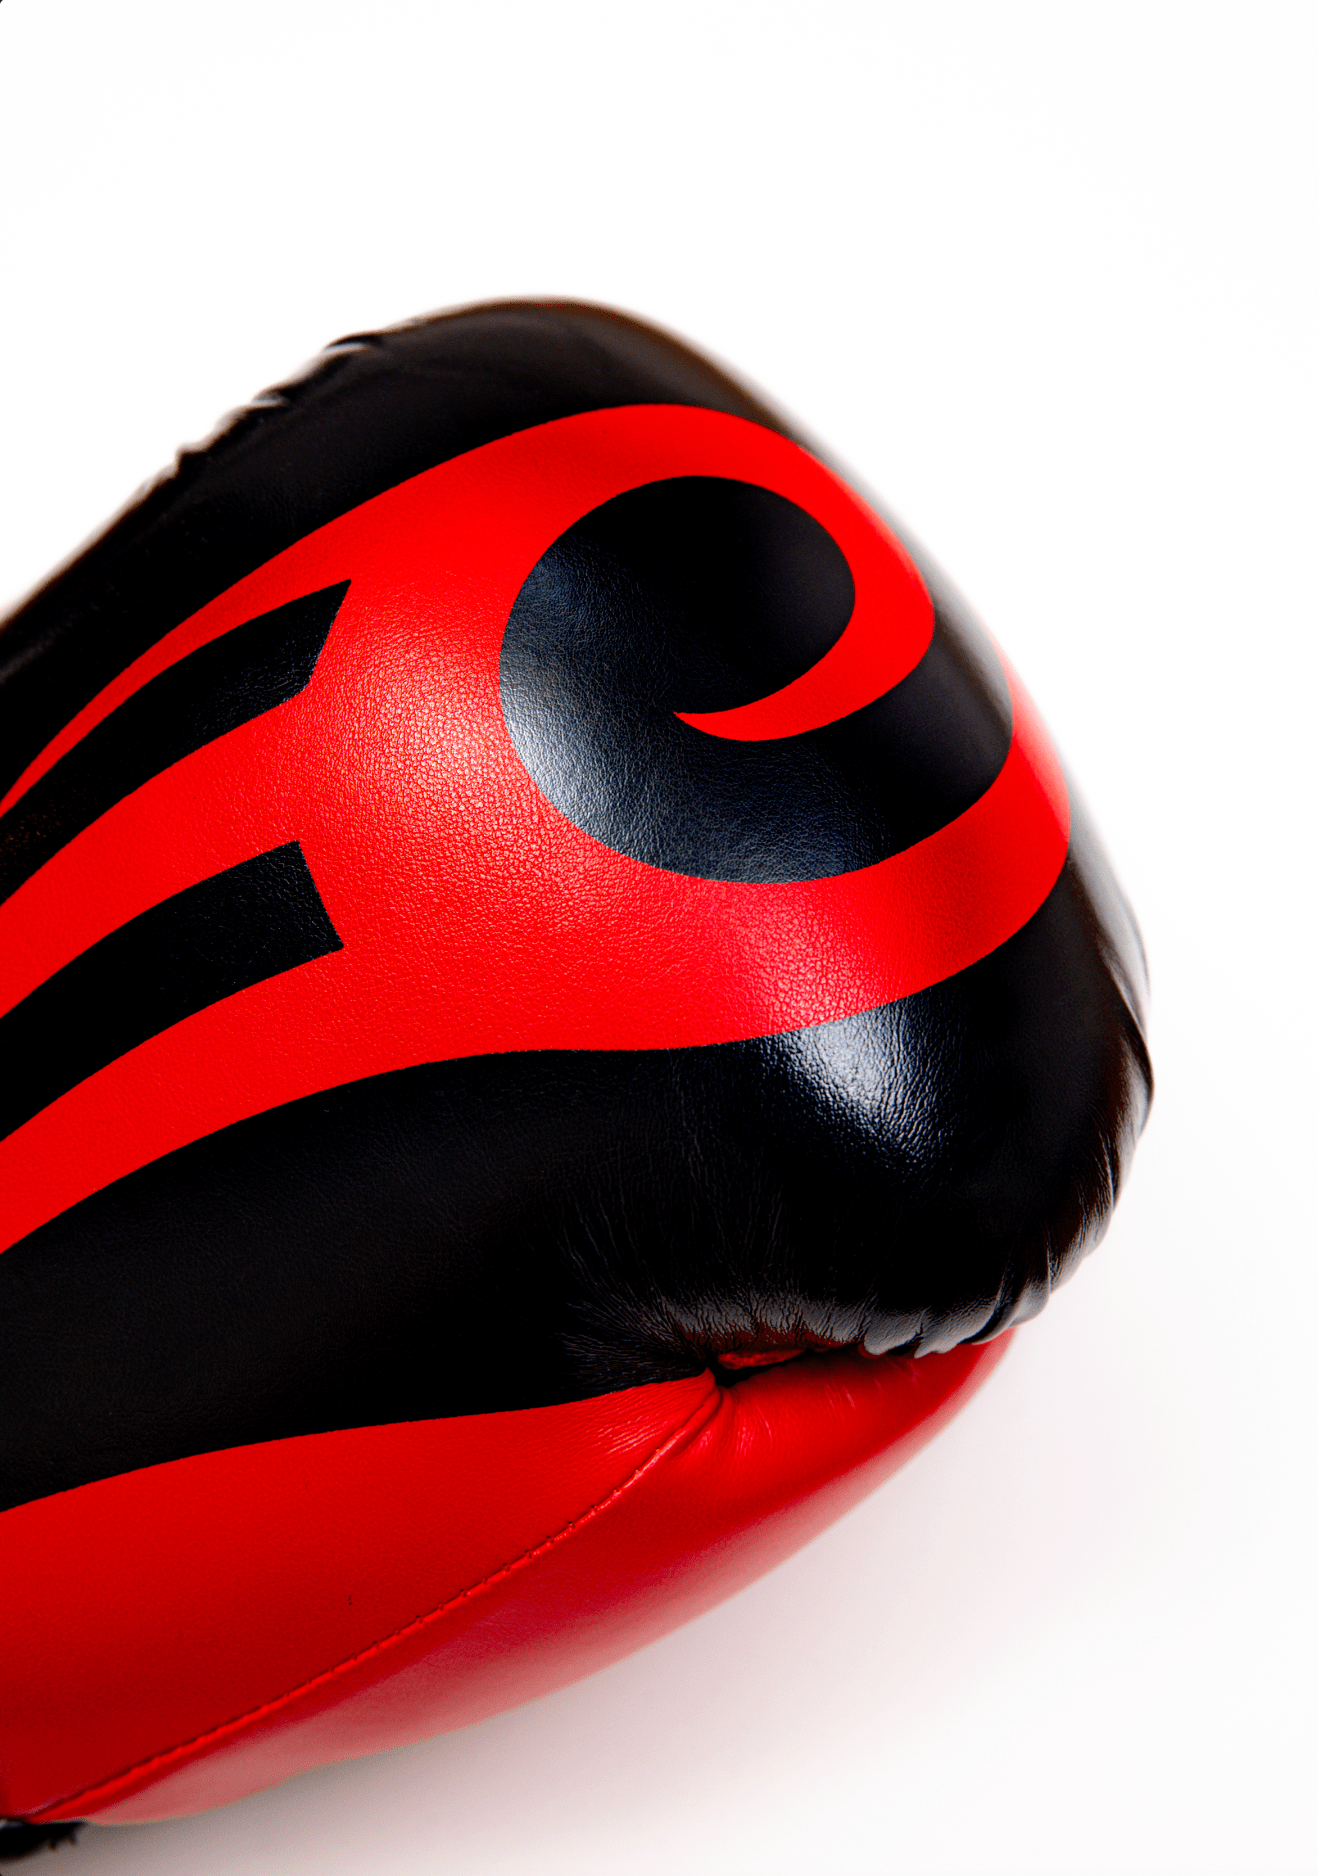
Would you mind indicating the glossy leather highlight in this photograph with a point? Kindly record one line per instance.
(367, 1588)
(678, 964)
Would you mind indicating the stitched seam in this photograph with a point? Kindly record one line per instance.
(705, 1410)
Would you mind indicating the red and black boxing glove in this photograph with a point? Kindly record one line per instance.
(553, 1004)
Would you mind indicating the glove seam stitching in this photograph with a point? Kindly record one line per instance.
(705, 1409)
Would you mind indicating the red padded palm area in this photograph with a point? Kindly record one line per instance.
(181, 1636)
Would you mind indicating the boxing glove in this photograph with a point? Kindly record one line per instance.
(555, 1005)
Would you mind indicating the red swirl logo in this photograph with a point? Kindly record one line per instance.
(473, 915)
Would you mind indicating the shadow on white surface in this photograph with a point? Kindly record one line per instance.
(1059, 1587)
(1045, 276)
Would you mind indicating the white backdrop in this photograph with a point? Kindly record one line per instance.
(1044, 275)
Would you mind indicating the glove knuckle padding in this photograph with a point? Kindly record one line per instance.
(522, 903)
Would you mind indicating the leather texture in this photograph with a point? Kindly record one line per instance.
(366, 1588)
(524, 901)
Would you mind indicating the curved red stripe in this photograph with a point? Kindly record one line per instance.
(365, 1588)
(886, 636)
(476, 918)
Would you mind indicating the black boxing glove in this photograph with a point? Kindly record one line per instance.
(545, 959)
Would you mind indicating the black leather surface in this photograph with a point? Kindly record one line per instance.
(233, 679)
(19, 1840)
(369, 412)
(515, 1230)
(221, 935)
(698, 594)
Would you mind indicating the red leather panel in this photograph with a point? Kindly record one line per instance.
(226, 1621)
(475, 918)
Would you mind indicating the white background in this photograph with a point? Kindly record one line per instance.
(1044, 275)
